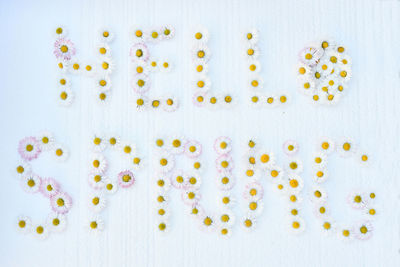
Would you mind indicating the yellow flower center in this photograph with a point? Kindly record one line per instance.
(106, 34)
(176, 143)
(294, 183)
(274, 173)
(64, 48)
(29, 147)
(127, 149)
(126, 178)
(56, 221)
(39, 230)
(296, 225)
(363, 229)
(325, 145)
(22, 224)
(308, 56)
(327, 225)
(198, 35)
(163, 162)
(96, 200)
(31, 183)
(346, 146)
(59, 152)
(96, 163)
(60, 202)
(93, 225)
(102, 50)
(20, 169)
(208, 221)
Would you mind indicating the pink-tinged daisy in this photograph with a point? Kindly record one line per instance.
(126, 179)
(49, 187)
(253, 191)
(56, 222)
(199, 98)
(290, 147)
(193, 149)
(224, 163)
(61, 202)
(40, 231)
(190, 197)
(139, 51)
(223, 145)
(96, 181)
(179, 179)
(31, 183)
(64, 49)
(363, 230)
(24, 224)
(140, 83)
(225, 180)
(29, 148)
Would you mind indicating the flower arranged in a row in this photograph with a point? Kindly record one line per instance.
(30, 148)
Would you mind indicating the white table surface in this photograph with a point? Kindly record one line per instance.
(368, 113)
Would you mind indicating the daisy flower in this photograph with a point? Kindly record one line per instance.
(40, 231)
(56, 222)
(320, 175)
(357, 200)
(326, 145)
(253, 191)
(140, 67)
(193, 181)
(295, 182)
(49, 187)
(75, 67)
(363, 230)
(106, 35)
(190, 197)
(195, 210)
(327, 44)
(284, 98)
(332, 98)
(224, 163)
(225, 181)
(103, 83)
(225, 232)
(98, 163)
(178, 179)
(294, 210)
(127, 148)
(24, 224)
(223, 145)
(160, 143)
(60, 31)
(97, 202)
(346, 147)
(137, 162)
(254, 206)
(171, 104)
(200, 67)
(165, 66)
(280, 185)
(345, 234)
(177, 144)
(310, 56)
(332, 56)
(199, 98)
(29, 148)
(294, 198)
(139, 35)
(252, 52)
(126, 179)
(106, 65)
(140, 83)
(228, 100)
(96, 181)
(155, 35)
(193, 149)
(318, 194)
(142, 103)
(252, 173)
(227, 218)
(139, 51)
(102, 96)
(266, 159)
(306, 85)
(226, 199)
(197, 166)
(166, 162)
(95, 224)
(344, 61)
(321, 210)
(162, 198)
(297, 225)
(22, 168)
(325, 67)
(201, 53)
(90, 69)
(99, 143)
(213, 101)
(31, 183)
(371, 211)
(248, 222)
(154, 65)
(163, 226)
(65, 96)
(110, 187)
(328, 226)
(155, 103)
(364, 158)
(46, 140)
(251, 159)
(162, 211)
(255, 83)
(103, 50)
(290, 147)
(319, 160)
(202, 83)
(64, 49)
(207, 222)
(251, 36)
(275, 172)
(295, 165)
(163, 182)
(167, 32)
(201, 35)
(62, 65)
(61, 202)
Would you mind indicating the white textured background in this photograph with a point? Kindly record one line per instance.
(368, 113)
